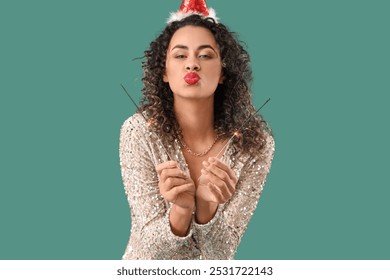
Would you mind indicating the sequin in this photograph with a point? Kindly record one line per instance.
(150, 235)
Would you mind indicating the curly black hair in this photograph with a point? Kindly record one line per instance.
(232, 99)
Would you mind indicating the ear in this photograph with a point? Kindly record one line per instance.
(165, 77)
(222, 76)
(221, 79)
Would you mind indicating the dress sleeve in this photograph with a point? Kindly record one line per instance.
(220, 237)
(151, 235)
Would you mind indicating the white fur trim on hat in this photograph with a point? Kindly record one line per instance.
(177, 16)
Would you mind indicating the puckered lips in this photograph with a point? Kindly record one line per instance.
(191, 78)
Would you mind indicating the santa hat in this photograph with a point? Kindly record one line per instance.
(191, 7)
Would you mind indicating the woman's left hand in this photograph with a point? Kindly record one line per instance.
(217, 183)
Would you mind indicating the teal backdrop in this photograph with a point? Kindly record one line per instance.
(324, 64)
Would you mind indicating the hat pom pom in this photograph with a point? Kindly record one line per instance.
(192, 7)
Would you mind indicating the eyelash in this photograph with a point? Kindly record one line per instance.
(202, 56)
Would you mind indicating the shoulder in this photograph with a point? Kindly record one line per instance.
(134, 129)
(269, 144)
(135, 126)
(265, 154)
(135, 121)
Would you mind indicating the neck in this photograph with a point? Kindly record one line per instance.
(196, 118)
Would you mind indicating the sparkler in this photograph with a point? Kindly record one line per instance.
(236, 133)
(148, 122)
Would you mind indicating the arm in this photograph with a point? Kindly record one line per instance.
(175, 186)
(151, 234)
(220, 237)
(216, 186)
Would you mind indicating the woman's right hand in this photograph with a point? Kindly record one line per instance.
(176, 186)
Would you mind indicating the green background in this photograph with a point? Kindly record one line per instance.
(325, 65)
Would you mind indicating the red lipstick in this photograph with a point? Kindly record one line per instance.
(191, 78)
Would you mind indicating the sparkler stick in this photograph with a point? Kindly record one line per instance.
(224, 146)
(243, 124)
(147, 122)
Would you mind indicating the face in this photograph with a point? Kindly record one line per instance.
(193, 66)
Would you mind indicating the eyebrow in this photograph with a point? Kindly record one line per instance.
(201, 47)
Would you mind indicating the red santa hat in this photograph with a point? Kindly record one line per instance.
(191, 7)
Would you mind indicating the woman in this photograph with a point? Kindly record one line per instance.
(187, 201)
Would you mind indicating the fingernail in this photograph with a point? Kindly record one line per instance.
(203, 171)
(212, 159)
(205, 163)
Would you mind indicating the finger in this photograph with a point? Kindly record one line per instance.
(226, 188)
(167, 164)
(221, 174)
(219, 163)
(216, 194)
(171, 183)
(225, 191)
(171, 173)
(172, 194)
(216, 170)
(222, 165)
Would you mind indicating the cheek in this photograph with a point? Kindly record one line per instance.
(216, 75)
(169, 72)
(170, 77)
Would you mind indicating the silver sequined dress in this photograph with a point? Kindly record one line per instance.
(151, 236)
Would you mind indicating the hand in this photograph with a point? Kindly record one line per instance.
(176, 186)
(217, 182)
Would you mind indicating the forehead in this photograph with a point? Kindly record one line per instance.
(192, 37)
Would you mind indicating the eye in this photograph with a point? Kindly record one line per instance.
(205, 56)
(179, 56)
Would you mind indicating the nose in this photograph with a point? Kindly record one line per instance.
(192, 66)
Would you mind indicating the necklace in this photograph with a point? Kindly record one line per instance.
(184, 145)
